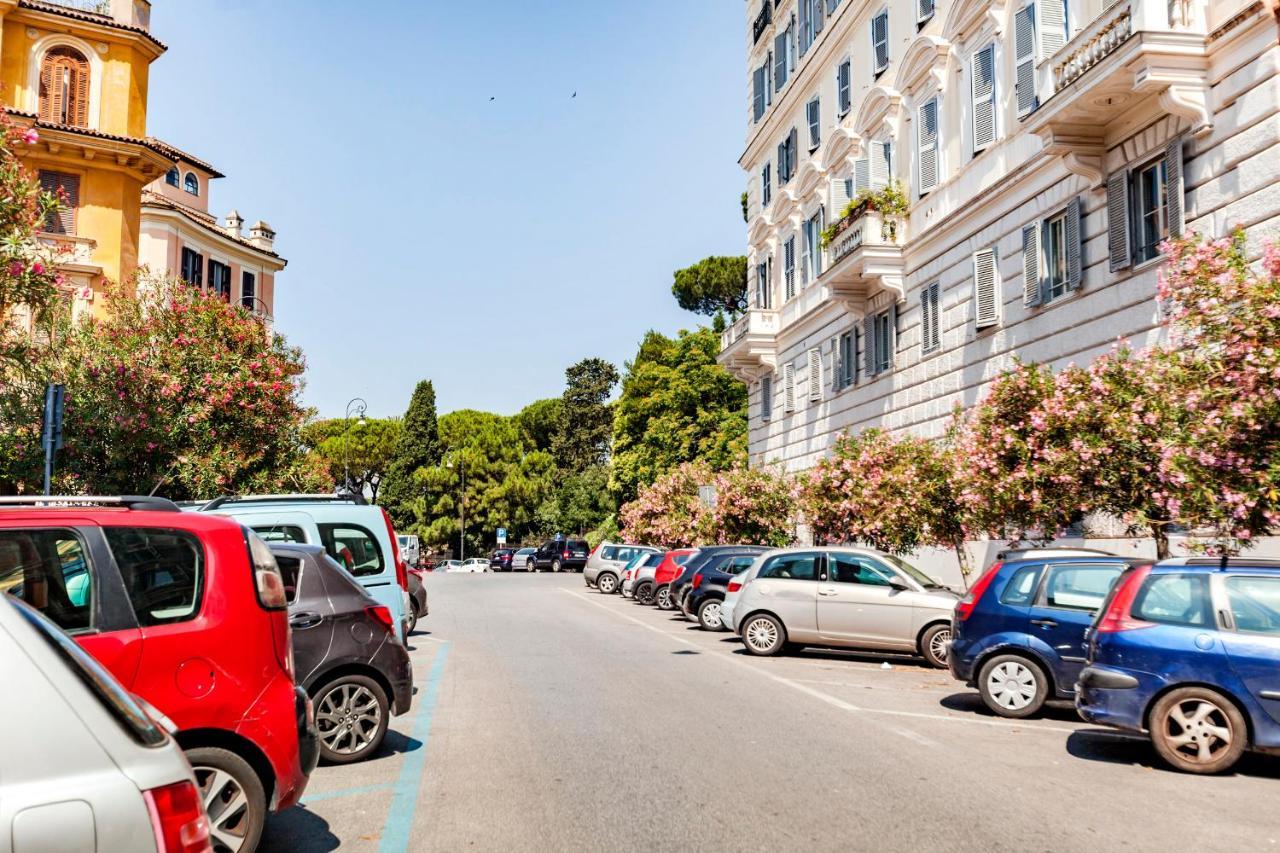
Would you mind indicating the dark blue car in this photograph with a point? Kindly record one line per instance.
(1019, 633)
(709, 584)
(1188, 650)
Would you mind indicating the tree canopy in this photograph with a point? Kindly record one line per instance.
(585, 424)
(366, 449)
(418, 446)
(713, 285)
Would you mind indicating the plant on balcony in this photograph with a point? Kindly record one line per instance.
(890, 202)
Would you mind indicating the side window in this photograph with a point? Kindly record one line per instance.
(738, 565)
(163, 572)
(1021, 588)
(281, 533)
(353, 547)
(1174, 600)
(48, 570)
(850, 568)
(1076, 587)
(291, 574)
(1255, 604)
(610, 552)
(800, 567)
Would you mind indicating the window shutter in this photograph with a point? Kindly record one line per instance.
(1118, 220)
(879, 166)
(839, 198)
(817, 17)
(813, 112)
(1173, 188)
(815, 375)
(65, 188)
(789, 387)
(1031, 264)
(893, 335)
(793, 144)
(757, 83)
(50, 95)
(985, 299)
(869, 345)
(926, 320)
(880, 40)
(1024, 43)
(844, 84)
(806, 31)
(927, 141)
(1053, 26)
(766, 398)
(855, 363)
(984, 87)
(78, 110)
(1075, 265)
(925, 11)
(861, 175)
(836, 368)
(779, 61)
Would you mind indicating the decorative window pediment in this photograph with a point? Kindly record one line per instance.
(924, 66)
(880, 113)
(968, 17)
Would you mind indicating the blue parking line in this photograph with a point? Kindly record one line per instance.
(347, 792)
(399, 823)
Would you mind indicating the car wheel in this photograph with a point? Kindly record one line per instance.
(663, 598)
(413, 621)
(233, 798)
(351, 714)
(709, 615)
(555, 565)
(764, 635)
(644, 594)
(935, 643)
(530, 567)
(1198, 730)
(607, 583)
(1013, 686)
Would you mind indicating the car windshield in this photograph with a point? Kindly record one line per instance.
(912, 572)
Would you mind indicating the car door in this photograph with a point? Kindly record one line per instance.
(787, 585)
(1253, 644)
(311, 621)
(858, 603)
(1069, 598)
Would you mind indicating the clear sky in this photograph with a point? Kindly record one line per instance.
(434, 233)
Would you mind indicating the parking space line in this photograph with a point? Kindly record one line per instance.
(399, 822)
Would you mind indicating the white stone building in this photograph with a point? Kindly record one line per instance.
(1045, 147)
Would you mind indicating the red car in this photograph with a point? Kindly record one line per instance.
(188, 612)
(666, 573)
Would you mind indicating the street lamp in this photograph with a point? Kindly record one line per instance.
(462, 508)
(356, 405)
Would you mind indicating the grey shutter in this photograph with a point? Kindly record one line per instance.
(1118, 220)
(1075, 271)
(927, 145)
(1024, 51)
(766, 398)
(1173, 188)
(1031, 264)
(854, 364)
(793, 143)
(924, 11)
(986, 300)
(926, 322)
(1053, 26)
(789, 387)
(813, 113)
(815, 375)
(844, 83)
(984, 87)
(757, 84)
(836, 364)
(782, 163)
(869, 345)
(839, 198)
(806, 34)
(879, 166)
(880, 40)
(893, 335)
(861, 175)
(779, 61)
(817, 17)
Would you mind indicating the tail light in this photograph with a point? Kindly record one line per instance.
(964, 607)
(178, 819)
(566, 553)
(697, 581)
(402, 573)
(734, 586)
(382, 613)
(1119, 613)
(595, 549)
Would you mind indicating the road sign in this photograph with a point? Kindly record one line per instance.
(502, 536)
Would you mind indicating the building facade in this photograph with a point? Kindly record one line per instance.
(181, 238)
(1044, 148)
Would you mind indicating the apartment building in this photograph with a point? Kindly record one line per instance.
(1044, 149)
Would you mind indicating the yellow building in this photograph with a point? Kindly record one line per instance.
(77, 71)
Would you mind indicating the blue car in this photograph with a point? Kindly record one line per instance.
(1018, 634)
(1188, 650)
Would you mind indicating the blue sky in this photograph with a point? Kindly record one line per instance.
(433, 233)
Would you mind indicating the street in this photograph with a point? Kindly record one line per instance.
(548, 716)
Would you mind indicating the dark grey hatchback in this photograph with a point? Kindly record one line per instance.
(346, 653)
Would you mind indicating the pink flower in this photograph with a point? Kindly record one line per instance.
(30, 136)
(16, 268)
(37, 268)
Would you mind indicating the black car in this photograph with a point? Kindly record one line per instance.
(345, 651)
(500, 560)
(561, 555)
(707, 588)
(711, 555)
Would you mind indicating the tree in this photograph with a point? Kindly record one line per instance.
(538, 423)
(365, 449)
(713, 285)
(578, 504)
(677, 405)
(417, 447)
(752, 506)
(585, 427)
(669, 513)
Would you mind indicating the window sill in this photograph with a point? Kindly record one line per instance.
(1143, 266)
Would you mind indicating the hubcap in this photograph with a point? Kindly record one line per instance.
(711, 614)
(1198, 730)
(938, 645)
(664, 598)
(227, 807)
(762, 634)
(1012, 685)
(607, 584)
(348, 718)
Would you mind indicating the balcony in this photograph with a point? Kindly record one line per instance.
(96, 7)
(748, 348)
(763, 20)
(69, 251)
(866, 258)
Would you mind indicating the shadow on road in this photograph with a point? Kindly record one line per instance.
(1112, 747)
(298, 829)
(972, 703)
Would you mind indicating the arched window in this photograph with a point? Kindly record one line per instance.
(191, 184)
(172, 177)
(64, 87)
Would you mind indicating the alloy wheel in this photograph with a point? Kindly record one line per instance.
(761, 634)
(348, 717)
(607, 584)
(1198, 730)
(664, 598)
(227, 806)
(940, 645)
(711, 615)
(1012, 685)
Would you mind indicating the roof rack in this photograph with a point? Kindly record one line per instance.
(140, 502)
(1228, 562)
(1051, 551)
(336, 497)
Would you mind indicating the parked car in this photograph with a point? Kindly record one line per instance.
(188, 613)
(561, 555)
(710, 555)
(853, 598)
(358, 536)
(1019, 631)
(639, 563)
(644, 587)
(607, 561)
(417, 598)
(500, 560)
(666, 573)
(710, 583)
(345, 651)
(475, 565)
(1188, 650)
(410, 550)
(448, 565)
(86, 768)
(523, 559)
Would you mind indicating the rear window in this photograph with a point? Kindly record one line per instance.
(281, 533)
(1255, 604)
(1174, 599)
(578, 547)
(163, 572)
(801, 567)
(1021, 588)
(354, 547)
(47, 569)
(738, 565)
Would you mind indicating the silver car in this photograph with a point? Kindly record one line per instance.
(637, 569)
(86, 769)
(523, 559)
(604, 566)
(852, 598)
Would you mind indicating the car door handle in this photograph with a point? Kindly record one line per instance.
(305, 620)
(1044, 623)
(828, 592)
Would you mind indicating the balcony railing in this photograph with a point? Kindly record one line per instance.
(757, 321)
(866, 257)
(863, 225)
(97, 7)
(762, 21)
(750, 344)
(69, 249)
(1092, 45)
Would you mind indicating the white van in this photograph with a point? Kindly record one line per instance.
(360, 537)
(410, 550)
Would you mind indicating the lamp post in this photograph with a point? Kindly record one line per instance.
(462, 508)
(356, 405)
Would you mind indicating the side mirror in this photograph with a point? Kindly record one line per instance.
(898, 584)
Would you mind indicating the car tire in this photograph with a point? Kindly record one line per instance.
(555, 565)
(662, 598)
(709, 615)
(530, 566)
(1198, 730)
(607, 583)
(1013, 686)
(764, 635)
(351, 699)
(222, 777)
(413, 621)
(934, 643)
(643, 594)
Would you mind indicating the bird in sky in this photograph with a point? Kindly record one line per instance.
(492, 98)
(574, 95)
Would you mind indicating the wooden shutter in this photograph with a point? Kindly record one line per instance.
(869, 345)
(779, 61)
(815, 375)
(880, 40)
(1118, 220)
(924, 11)
(1075, 250)
(984, 89)
(766, 398)
(1031, 264)
(1053, 26)
(757, 95)
(50, 95)
(879, 165)
(78, 109)
(986, 300)
(1173, 188)
(1024, 51)
(65, 188)
(789, 387)
(927, 145)
(64, 87)
(836, 369)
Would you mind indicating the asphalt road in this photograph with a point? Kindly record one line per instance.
(550, 717)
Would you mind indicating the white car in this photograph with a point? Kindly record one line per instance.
(732, 593)
(473, 566)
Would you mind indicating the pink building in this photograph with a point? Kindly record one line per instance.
(181, 238)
